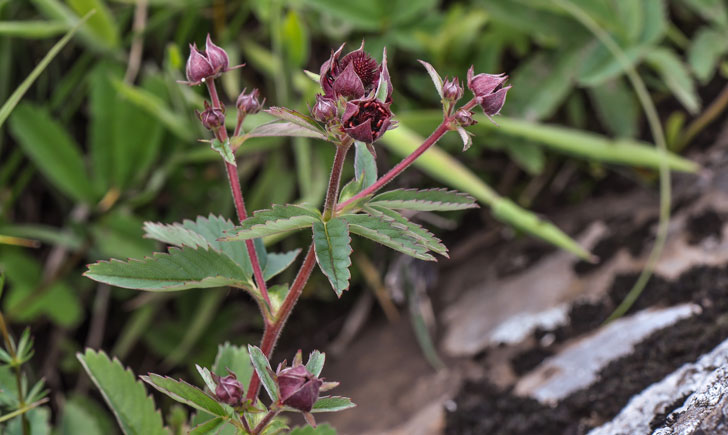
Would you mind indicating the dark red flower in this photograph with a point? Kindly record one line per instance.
(298, 388)
(366, 120)
(354, 76)
(489, 91)
(229, 390)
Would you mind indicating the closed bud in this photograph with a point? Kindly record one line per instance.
(198, 66)
(452, 90)
(216, 56)
(324, 110)
(464, 118)
(249, 103)
(212, 118)
(299, 389)
(489, 91)
(229, 390)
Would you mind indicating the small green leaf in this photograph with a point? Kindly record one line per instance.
(315, 362)
(53, 151)
(209, 427)
(235, 358)
(223, 148)
(321, 429)
(388, 233)
(383, 86)
(426, 238)
(435, 76)
(177, 270)
(277, 263)
(133, 408)
(425, 200)
(279, 219)
(265, 373)
(206, 377)
(706, 49)
(185, 393)
(332, 404)
(465, 137)
(365, 165)
(333, 249)
(676, 76)
(278, 129)
(294, 117)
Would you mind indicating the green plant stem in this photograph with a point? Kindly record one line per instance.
(237, 192)
(18, 377)
(657, 133)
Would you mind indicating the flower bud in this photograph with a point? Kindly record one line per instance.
(324, 110)
(212, 118)
(198, 66)
(229, 390)
(366, 120)
(464, 118)
(299, 389)
(249, 103)
(452, 90)
(489, 91)
(353, 76)
(216, 56)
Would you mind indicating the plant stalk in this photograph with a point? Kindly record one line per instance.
(237, 193)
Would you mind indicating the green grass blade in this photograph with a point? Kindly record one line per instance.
(23, 88)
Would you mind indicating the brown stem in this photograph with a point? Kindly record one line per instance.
(237, 192)
(264, 422)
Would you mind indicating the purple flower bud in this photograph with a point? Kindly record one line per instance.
(198, 66)
(249, 103)
(229, 390)
(366, 120)
(299, 389)
(216, 56)
(489, 91)
(452, 90)
(354, 76)
(324, 110)
(212, 118)
(464, 118)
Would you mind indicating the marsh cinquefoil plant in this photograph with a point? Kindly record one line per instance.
(353, 109)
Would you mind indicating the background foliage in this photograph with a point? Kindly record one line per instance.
(104, 140)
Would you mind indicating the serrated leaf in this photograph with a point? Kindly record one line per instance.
(277, 128)
(426, 238)
(206, 377)
(185, 393)
(209, 427)
(332, 404)
(279, 219)
(177, 270)
(297, 118)
(223, 148)
(676, 76)
(315, 362)
(435, 76)
(235, 358)
(388, 233)
(424, 200)
(277, 263)
(133, 408)
(332, 246)
(265, 373)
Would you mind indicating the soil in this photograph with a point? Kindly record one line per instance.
(483, 408)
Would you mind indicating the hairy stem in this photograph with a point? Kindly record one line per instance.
(332, 193)
(237, 193)
(265, 421)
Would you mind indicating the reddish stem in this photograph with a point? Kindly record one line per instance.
(232, 172)
(443, 128)
(332, 194)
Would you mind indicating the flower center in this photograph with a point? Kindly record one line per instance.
(373, 110)
(365, 67)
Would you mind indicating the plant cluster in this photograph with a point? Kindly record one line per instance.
(353, 110)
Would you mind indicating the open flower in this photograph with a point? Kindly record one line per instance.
(298, 387)
(353, 76)
(366, 119)
(489, 91)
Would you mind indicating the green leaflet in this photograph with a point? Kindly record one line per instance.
(185, 393)
(332, 245)
(179, 269)
(332, 404)
(265, 373)
(425, 237)
(316, 362)
(389, 233)
(280, 218)
(425, 200)
(133, 408)
(235, 358)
